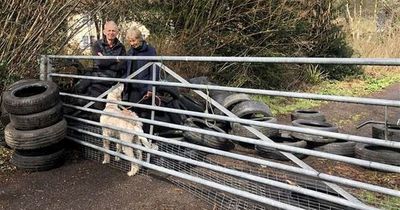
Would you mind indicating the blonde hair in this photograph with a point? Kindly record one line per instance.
(134, 33)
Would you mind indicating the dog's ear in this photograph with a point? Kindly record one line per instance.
(120, 87)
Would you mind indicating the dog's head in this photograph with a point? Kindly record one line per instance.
(116, 93)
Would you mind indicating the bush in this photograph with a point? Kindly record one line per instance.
(251, 28)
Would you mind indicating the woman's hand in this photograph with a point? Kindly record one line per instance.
(147, 95)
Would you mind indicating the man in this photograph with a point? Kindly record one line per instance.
(108, 46)
(139, 47)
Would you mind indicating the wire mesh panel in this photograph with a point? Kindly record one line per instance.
(96, 155)
(219, 199)
(279, 194)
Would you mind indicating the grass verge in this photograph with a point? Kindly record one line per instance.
(373, 80)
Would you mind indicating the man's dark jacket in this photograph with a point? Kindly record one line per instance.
(110, 68)
(103, 68)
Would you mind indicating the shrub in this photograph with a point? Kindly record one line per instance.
(251, 28)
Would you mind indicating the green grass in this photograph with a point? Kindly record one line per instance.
(357, 87)
(379, 200)
(281, 105)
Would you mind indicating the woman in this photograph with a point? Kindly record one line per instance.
(139, 47)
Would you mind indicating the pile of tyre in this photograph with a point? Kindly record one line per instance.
(243, 106)
(377, 153)
(36, 127)
(316, 120)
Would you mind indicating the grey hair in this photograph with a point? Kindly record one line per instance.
(111, 23)
(134, 33)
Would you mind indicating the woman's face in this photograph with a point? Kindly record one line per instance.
(134, 42)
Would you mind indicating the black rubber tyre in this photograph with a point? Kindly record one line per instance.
(5, 116)
(191, 104)
(172, 91)
(378, 154)
(203, 139)
(220, 96)
(323, 126)
(345, 148)
(43, 151)
(251, 110)
(35, 139)
(378, 131)
(231, 100)
(31, 97)
(20, 82)
(174, 117)
(240, 130)
(38, 163)
(38, 120)
(313, 115)
(175, 134)
(272, 153)
(234, 99)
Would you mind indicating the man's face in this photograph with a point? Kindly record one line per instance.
(134, 42)
(111, 32)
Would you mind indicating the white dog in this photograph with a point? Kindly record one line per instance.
(128, 124)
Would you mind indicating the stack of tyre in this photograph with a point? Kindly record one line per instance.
(37, 128)
(314, 119)
(379, 153)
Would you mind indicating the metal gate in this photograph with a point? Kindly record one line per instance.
(237, 179)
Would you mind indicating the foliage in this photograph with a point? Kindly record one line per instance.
(250, 28)
(201, 27)
(6, 77)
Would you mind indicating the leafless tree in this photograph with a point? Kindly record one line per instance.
(30, 28)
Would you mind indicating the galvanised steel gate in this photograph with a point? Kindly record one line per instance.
(238, 179)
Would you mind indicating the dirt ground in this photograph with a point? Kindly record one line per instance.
(85, 184)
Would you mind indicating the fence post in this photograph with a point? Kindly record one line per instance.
(153, 103)
(386, 123)
(43, 72)
(49, 69)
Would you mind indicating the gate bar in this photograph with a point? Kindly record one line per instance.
(290, 60)
(344, 99)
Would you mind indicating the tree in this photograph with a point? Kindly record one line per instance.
(251, 28)
(31, 28)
